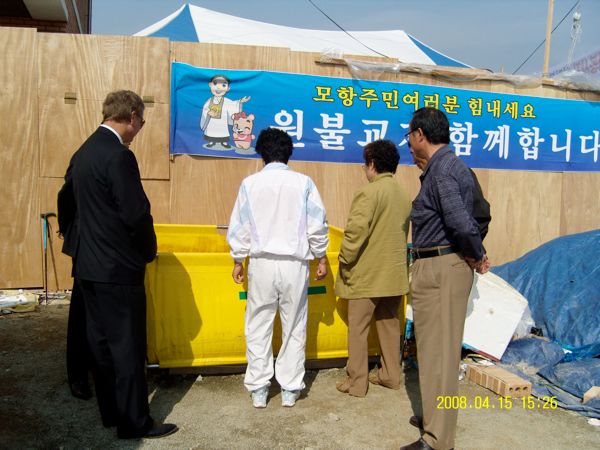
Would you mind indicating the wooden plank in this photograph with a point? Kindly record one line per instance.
(225, 56)
(20, 246)
(580, 209)
(580, 202)
(63, 128)
(203, 190)
(151, 145)
(525, 210)
(91, 66)
(159, 194)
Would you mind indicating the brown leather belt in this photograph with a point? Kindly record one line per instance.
(431, 252)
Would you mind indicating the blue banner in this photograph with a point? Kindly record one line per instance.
(218, 112)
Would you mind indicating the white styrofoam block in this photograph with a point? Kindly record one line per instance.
(494, 310)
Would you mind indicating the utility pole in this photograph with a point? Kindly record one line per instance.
(548, 37)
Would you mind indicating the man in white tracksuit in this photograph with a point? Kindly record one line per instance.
(279, 222)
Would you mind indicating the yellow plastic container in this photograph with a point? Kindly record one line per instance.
(196, 311)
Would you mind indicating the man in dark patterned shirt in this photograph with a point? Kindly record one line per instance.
(447, 248)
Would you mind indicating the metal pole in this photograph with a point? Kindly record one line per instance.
(548, 37)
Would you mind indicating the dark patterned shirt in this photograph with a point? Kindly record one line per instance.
(442, 213)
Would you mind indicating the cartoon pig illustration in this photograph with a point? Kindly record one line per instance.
(242, 130)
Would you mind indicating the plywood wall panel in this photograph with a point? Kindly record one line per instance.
(580, 206)
(525, 211)
(146, 68)
(151, 145)
(159, 194)
(528, 208)
(20, 253)
(91, 66)
(63, 128)
(240, 57)
(203, 190)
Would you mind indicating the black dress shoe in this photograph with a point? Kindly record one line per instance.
(156, 431)
(162, 430)
(81, 389)
(417, 445)
(416, 421)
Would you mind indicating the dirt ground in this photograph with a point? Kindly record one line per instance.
(214, 412)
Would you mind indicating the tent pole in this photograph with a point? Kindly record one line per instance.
(548, 37)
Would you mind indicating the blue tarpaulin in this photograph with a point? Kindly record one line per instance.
(561, 281)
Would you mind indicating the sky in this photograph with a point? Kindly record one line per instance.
(491, 34)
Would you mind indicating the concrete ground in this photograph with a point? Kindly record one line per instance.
(37, 410)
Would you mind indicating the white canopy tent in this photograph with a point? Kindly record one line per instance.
(194, 24)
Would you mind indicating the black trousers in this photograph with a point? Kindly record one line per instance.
(116, 331)
(78, 353)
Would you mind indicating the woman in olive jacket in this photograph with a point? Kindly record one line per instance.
(373, 272)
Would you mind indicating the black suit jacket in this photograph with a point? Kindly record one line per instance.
(104, 213)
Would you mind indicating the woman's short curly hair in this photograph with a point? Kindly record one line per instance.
(383, 154)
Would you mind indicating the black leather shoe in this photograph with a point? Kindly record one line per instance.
(416, 421)
(157, 431)
(417, 445)
(162, 430)
(81, 389)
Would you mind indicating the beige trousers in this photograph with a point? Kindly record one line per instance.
(360, 313)
(440, 291)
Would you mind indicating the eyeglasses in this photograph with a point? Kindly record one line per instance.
(406, 136)
(142, 121)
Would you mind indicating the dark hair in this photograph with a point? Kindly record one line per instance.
(274, 145)
(119, 105)
(383, 154)
(433, 123)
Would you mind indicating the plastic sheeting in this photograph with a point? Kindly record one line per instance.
(575, 377)
(561, 281)
(532, 354)
(376, 70)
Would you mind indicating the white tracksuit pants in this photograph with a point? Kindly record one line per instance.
(272, 282)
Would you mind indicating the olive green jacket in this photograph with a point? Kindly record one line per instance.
(373, 252)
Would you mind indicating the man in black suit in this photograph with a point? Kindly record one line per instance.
(114, 242)
(78, 353)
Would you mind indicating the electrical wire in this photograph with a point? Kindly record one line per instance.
(341, 28)
(542, 43)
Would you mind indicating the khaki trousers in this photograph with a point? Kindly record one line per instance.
(360, 313)
(440, 292)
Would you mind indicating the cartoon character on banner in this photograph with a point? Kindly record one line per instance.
(217, 114)
(242, 133)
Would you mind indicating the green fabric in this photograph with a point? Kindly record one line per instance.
(312, 290)
(373, 253)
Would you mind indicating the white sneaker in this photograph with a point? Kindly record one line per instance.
(259, 397)
(288, 398)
